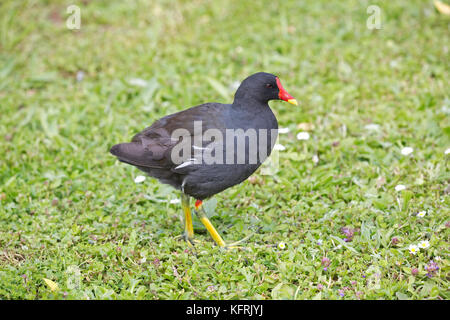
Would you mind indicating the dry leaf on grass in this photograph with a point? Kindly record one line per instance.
(53, 285)
(442, 7)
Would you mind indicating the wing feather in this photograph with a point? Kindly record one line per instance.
(152, 147)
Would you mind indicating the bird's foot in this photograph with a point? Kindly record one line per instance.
(236, 245)
(189, 240)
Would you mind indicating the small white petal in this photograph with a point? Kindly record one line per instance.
(283, 130)
(413, 249)
(80, 76)
(407, 150)
(175, 201)
(445, 109)
(372, 127)
(279, 147)
(303, 135)
(282, 245)
(424, 244)
(421, 214)
(447, 151)
(315, 158)
(139, 179)
(234, 85)
(394, 63)
(400, 187)
(138, 82)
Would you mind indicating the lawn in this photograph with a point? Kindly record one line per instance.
(332, 223)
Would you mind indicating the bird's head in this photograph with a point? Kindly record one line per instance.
(263, 87)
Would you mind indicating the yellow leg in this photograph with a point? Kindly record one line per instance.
(188, 227)
(212, 231)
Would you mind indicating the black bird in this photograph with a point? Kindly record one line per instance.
(211, 147)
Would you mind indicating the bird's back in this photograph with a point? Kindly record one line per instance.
(155, 150)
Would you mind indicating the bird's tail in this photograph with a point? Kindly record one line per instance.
(132, 153)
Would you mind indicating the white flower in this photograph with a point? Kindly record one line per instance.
(447, 151)
(407, 151)
(372, 127)
(175, 201)
(393, 63)
(424, 244)
(282, 245)
(438, 258)
(138, 82)
(283, 130)
(421, 214)
(400, 187)
(315, 158)
(139, 179)
(80, 76)
(279, 147)
(413, 249)
(234, 85)
(303, 135)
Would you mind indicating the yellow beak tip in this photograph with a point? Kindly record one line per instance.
(293, 101)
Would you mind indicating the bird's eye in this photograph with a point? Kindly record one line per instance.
(269, 85)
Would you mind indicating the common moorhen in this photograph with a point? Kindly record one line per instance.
(211, 147)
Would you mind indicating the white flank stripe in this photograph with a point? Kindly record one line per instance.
(185, 164)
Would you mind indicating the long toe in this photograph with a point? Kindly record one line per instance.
(190, 241)
(236, 245)
(241, 241)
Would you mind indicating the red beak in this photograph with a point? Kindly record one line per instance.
(283, 95)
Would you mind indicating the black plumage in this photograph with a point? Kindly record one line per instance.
(150, 150)
(153, 149)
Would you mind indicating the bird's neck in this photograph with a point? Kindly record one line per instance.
(245, 96)
(248, 113)
(249, 103)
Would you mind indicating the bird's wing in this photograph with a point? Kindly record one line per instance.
(152, 147)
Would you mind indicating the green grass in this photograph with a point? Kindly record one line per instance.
(71, 213)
